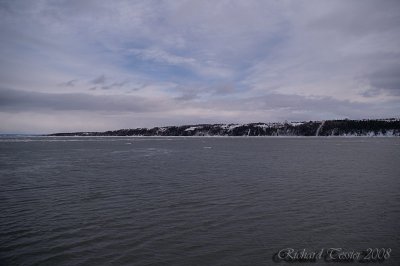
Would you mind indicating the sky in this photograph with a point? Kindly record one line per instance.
(98, 65)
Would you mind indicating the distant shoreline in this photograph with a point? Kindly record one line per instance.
(345, 128)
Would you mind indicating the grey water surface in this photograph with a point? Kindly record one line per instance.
(195, 201)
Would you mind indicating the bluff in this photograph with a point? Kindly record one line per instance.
(346, 127)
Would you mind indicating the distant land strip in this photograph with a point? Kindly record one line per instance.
(366, 127)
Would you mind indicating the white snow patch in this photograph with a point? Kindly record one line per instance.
(231, 127)
(296, 123)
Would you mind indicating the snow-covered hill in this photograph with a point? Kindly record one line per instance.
(367, 127)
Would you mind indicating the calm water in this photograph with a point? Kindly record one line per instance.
(195, 201)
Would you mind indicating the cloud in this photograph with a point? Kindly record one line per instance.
(207, 69)
(70, 83)
(103, 112)
(102, 83)
(182, 61)
(387, 80)
(99, 80)
(293, 107)
(17, 101)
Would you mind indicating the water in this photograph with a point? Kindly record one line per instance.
(195, 201)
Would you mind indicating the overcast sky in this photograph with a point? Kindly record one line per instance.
(100, 65)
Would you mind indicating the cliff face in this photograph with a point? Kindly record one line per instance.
(381, 127)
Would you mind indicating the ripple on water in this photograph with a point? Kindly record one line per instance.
(193, 201)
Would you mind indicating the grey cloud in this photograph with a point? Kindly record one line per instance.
(357, 18)
(113, 85)
(246, 57)
(99, 80)
(387, 79)
(224, 89)
(16, 100)
(5, 7)
(196, 91)
(315, 105)
(295, 106)
(70, 83)
(187, 96)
